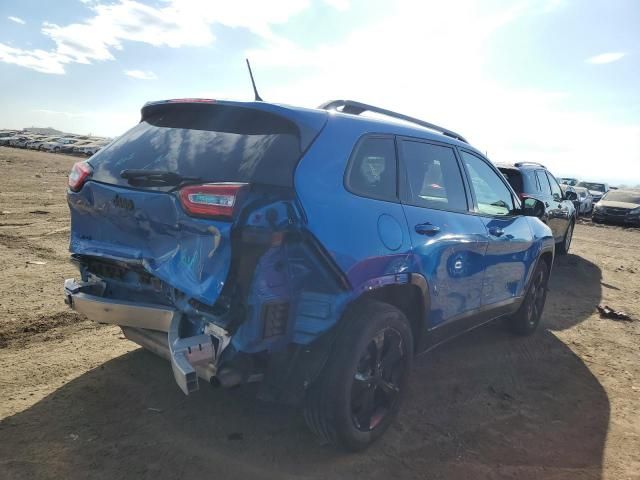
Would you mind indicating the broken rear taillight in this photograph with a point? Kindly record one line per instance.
(212, 199)
(79, 174)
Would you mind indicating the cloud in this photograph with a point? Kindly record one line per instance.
(39, 60)
(341, 5)
(61, 113)
(103, 122)
(416, 61)
(606, 58)
(141, 74)
(415, 46)
(552, 5)
(176, 23)
(16, 19)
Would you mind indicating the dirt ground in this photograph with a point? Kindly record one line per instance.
(77, 400)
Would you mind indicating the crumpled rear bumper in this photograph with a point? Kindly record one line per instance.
(155, 327)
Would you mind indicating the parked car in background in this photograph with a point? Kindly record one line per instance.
(596, 189)
(572, 192)
(56, 144)
(586, 200)
(22, 143)
(37, 144)
(568, 181)
(618, 206)
(72, 147)
(533, 180)
(60, 143)
(14, 141)
(245, 269)
(91, 148)
(34, 139)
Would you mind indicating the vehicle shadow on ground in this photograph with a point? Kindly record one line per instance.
(487, 405)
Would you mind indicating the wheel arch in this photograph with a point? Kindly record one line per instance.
(546, 256)
(411, 297)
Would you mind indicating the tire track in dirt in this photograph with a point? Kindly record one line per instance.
(29, 327)
(21, 242)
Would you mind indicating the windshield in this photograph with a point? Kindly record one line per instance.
(599, 187)
(626, 197)
(569, 181)
(215, 143)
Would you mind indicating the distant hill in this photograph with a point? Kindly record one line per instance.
(43, 131)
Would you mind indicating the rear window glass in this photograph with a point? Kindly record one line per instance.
(372, 170)
(214, 142)
(514, 178)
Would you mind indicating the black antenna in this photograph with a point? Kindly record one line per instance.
(255, 90)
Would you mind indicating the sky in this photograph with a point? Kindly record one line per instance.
(552, 81)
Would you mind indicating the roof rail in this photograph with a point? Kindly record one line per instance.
(520, 164)
(356, 108)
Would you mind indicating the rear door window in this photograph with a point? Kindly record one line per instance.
(530, 180)
(543, 181)
(493, 197)
(372, 170)
(432, 177)
(220, 143)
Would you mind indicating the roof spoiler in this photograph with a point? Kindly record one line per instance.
(356, 108)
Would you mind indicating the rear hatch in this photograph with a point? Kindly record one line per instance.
(166, 195)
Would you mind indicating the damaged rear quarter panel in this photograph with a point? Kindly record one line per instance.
(289, 272)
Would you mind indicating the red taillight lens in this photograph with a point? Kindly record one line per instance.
(212, 199)
(78, 176)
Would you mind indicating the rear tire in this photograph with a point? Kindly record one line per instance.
(563, 247)
(359, 392)
(525, 321)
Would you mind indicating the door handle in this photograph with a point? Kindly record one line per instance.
(426, 229)
(496, 231)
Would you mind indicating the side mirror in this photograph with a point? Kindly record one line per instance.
(571, 195)
(532, 207)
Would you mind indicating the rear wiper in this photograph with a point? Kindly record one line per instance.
(156, 178)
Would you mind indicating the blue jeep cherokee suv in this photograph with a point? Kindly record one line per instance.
(315, 250)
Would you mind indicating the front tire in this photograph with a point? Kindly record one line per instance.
(360, 390)
(525, 321)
